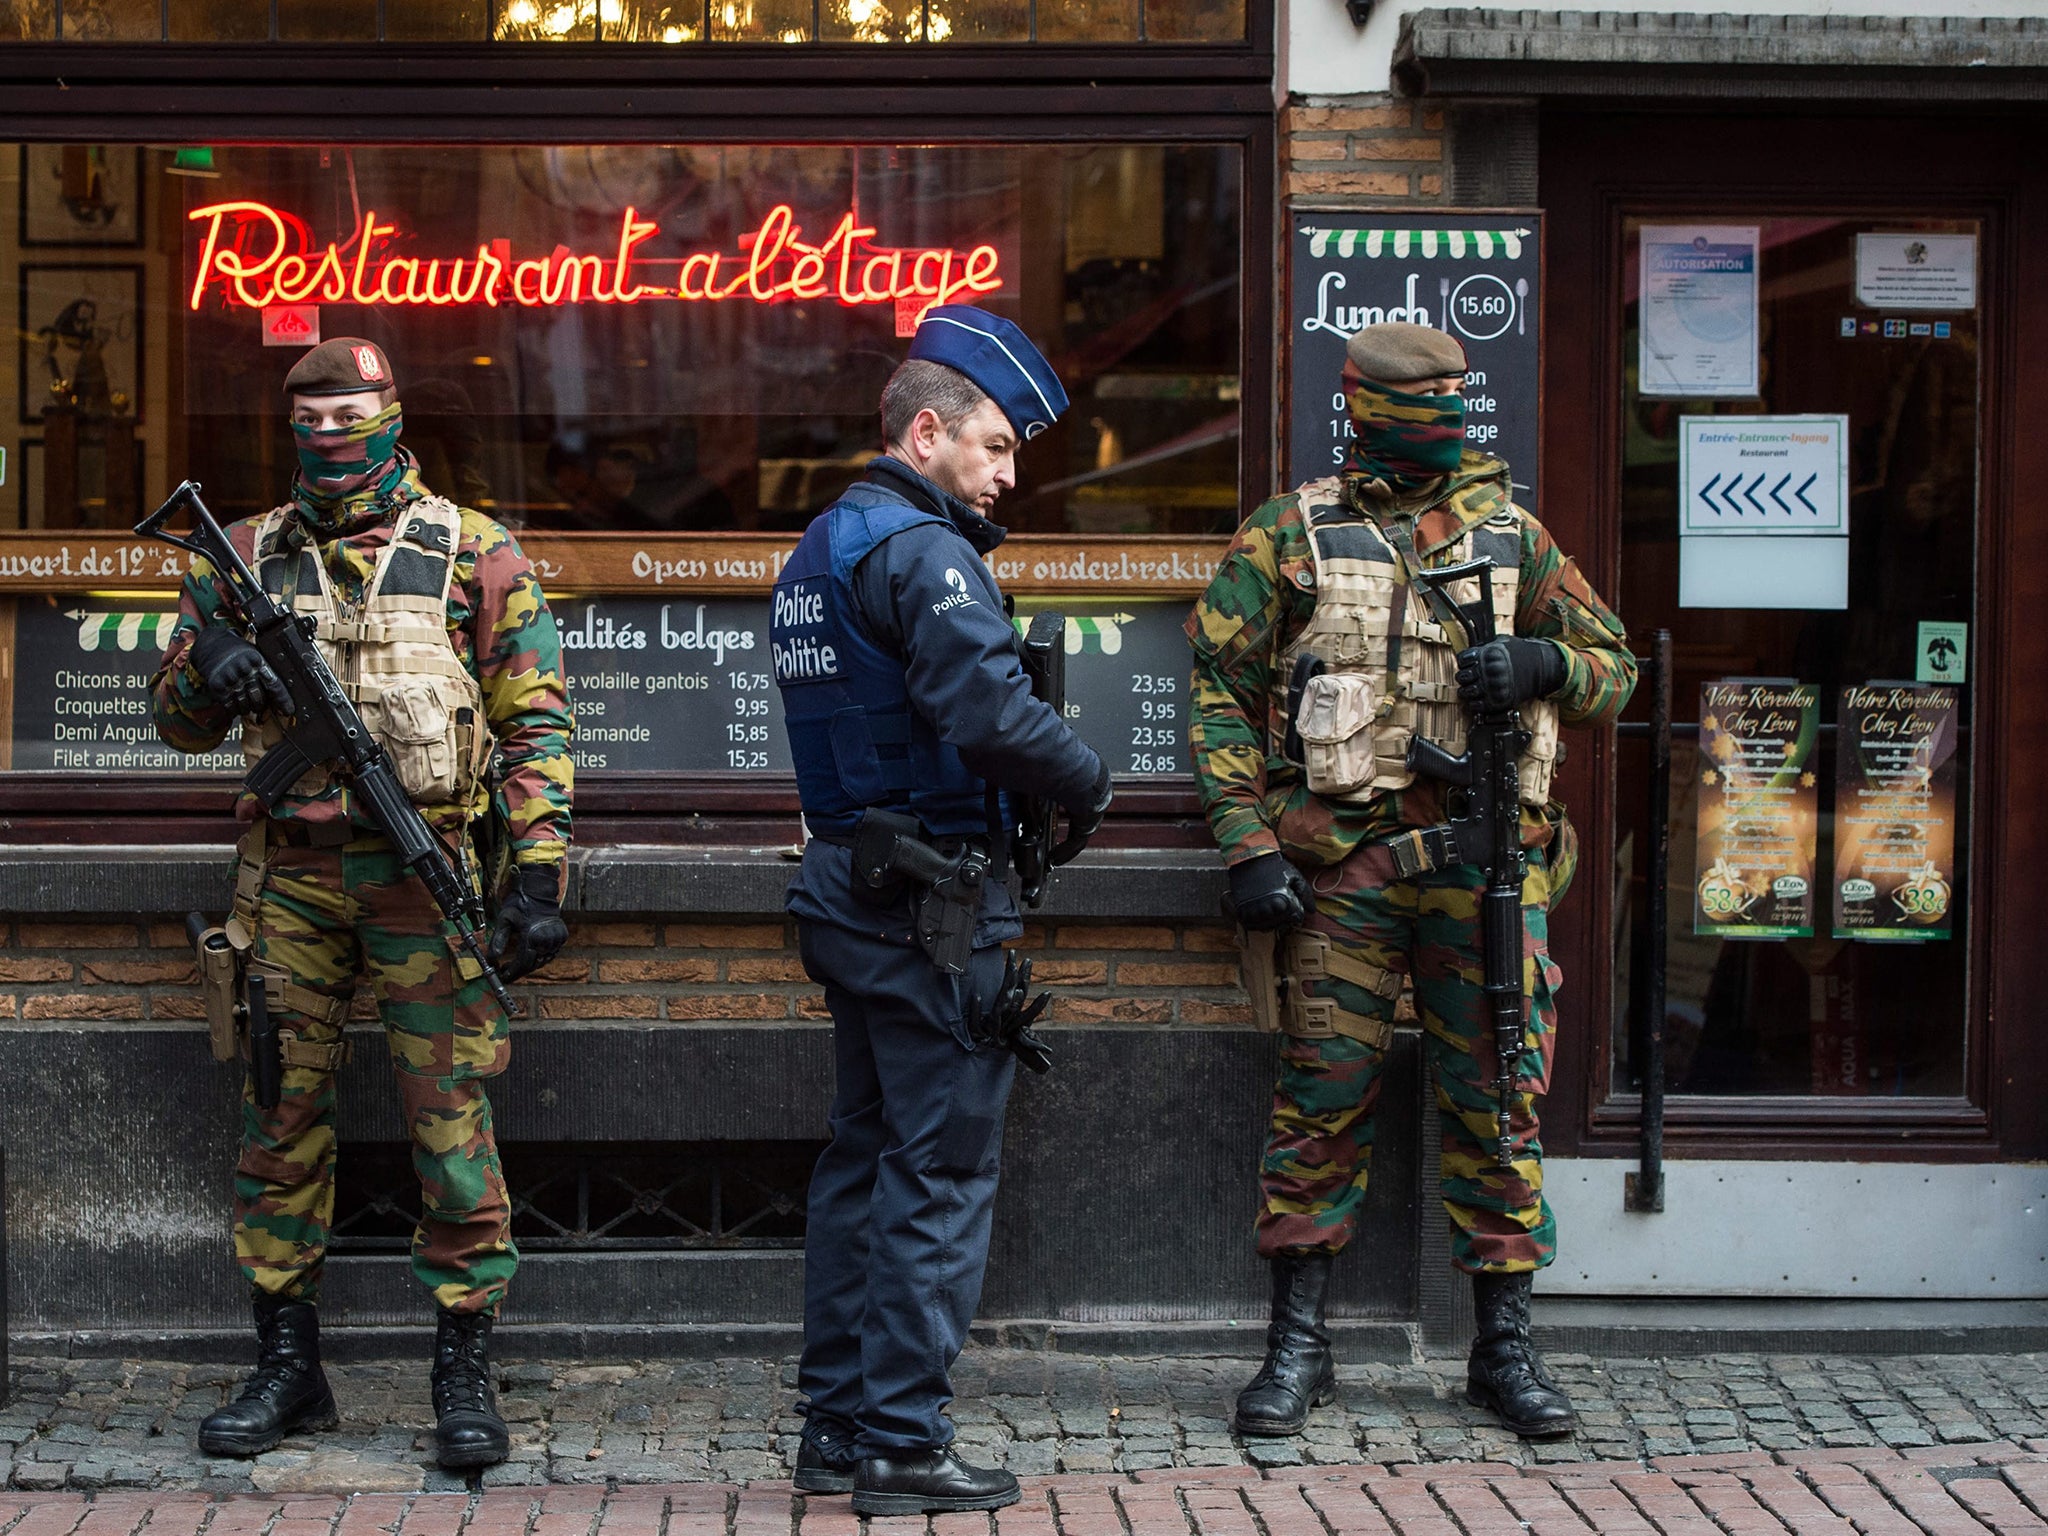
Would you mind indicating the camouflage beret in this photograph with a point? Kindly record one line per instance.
(1399, 353)
(347, 365)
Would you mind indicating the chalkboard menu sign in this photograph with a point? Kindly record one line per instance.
(681, 684)
(80, 701)
(1476, 275)
(672, 684)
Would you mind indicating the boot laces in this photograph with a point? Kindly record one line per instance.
(277, 1368)
(462, 1375)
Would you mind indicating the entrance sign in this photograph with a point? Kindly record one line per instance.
(255, 256)
(1915, 271)
(1697, 330)
(1476, 276)
(1758, 821)
(1895, 811)
(1763, 516)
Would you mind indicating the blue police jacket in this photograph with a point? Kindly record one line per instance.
(902, 688)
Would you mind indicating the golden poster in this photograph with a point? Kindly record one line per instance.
(1759, 818)
(1895, 811)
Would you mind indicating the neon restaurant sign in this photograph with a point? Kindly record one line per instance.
(253, 255)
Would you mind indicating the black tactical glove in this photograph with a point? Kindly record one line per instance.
(1267, 894)
(1507, 671)
(530, 931)
(236, 674)
(1084, 821)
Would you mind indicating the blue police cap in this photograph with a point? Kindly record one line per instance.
(996, 356)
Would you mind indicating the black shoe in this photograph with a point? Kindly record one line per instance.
(288, 1391)
(1505, 1373)
(929, 1483)
(467, 1429)
(1298, 1373)
(824, 1457)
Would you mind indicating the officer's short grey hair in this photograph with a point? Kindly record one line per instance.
(918, 385)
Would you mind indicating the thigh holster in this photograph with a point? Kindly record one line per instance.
(287, 996)
(1274, 966)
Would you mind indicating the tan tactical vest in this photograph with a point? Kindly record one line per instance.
(393, 655)
(1379, 689)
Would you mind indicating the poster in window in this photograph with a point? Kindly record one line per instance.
(1759, 817)
(1895, 811)
(80, 339)
(1698, 336)
(81, 194)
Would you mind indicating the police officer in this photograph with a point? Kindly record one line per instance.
(433, 621)
(908, 712)
(1317, 661)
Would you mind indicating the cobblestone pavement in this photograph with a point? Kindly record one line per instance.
(86, 1425)
(1943, 1491)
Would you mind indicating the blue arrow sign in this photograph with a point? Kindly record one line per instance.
(1728, 494)
(1801, 494)
(1707, 495)
(1749, 495)
(1776, 489)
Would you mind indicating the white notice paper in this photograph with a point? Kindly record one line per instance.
(1916, 271)
(1763, 511)
(1698, 330)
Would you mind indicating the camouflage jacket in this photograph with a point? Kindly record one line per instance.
(501, 629)
(1259, 601)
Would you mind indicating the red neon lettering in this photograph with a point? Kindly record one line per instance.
(253, 256)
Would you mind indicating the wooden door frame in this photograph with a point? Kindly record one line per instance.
(1598, 165)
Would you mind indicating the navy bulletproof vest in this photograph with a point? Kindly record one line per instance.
(853, 735)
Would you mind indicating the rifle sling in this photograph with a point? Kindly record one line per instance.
(1401, 535)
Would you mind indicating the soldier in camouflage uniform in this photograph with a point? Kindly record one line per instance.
(434, 621)
(1307, 694)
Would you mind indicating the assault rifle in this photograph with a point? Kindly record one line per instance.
(324, 727)
(1485, 829)
(1034, 851)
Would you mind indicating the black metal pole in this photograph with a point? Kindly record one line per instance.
(1646, 1189)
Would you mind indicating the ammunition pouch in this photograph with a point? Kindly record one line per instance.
(946, 884)
(1273, 966)
(1424, 850)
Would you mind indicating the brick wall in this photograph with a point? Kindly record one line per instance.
(122, 970)
(1366, 150)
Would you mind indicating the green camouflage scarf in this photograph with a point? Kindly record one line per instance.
(350, 471)
(1402, 439)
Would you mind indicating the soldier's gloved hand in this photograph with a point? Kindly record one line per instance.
(236, 674)
(1508, 671)
(1267, 894)
(530, 931)
(1084, 821)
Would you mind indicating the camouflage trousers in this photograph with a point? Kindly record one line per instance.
(328, 916)
(1319, 1148)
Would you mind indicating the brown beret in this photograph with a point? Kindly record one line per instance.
(347, 365)
(1399, 353)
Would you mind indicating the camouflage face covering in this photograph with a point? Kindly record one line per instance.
(339, 466)
(1402, 439)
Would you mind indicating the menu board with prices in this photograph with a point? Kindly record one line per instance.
(1759, 819)
(80, 696)
(1475, 276)
(675, 684)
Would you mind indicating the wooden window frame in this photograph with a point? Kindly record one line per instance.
(1024, 94)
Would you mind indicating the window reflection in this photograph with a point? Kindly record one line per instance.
(740, 406)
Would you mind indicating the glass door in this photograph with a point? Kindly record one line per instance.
(1799, 466)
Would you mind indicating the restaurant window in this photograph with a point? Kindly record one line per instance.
(654, 364)
(1818, 919)
(675, 22)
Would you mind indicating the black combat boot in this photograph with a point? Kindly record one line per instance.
(1298, 1374)
(288, 1391)
(929, 1483)
(467, 1429)
(1505, 1373)
(824, 1456)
